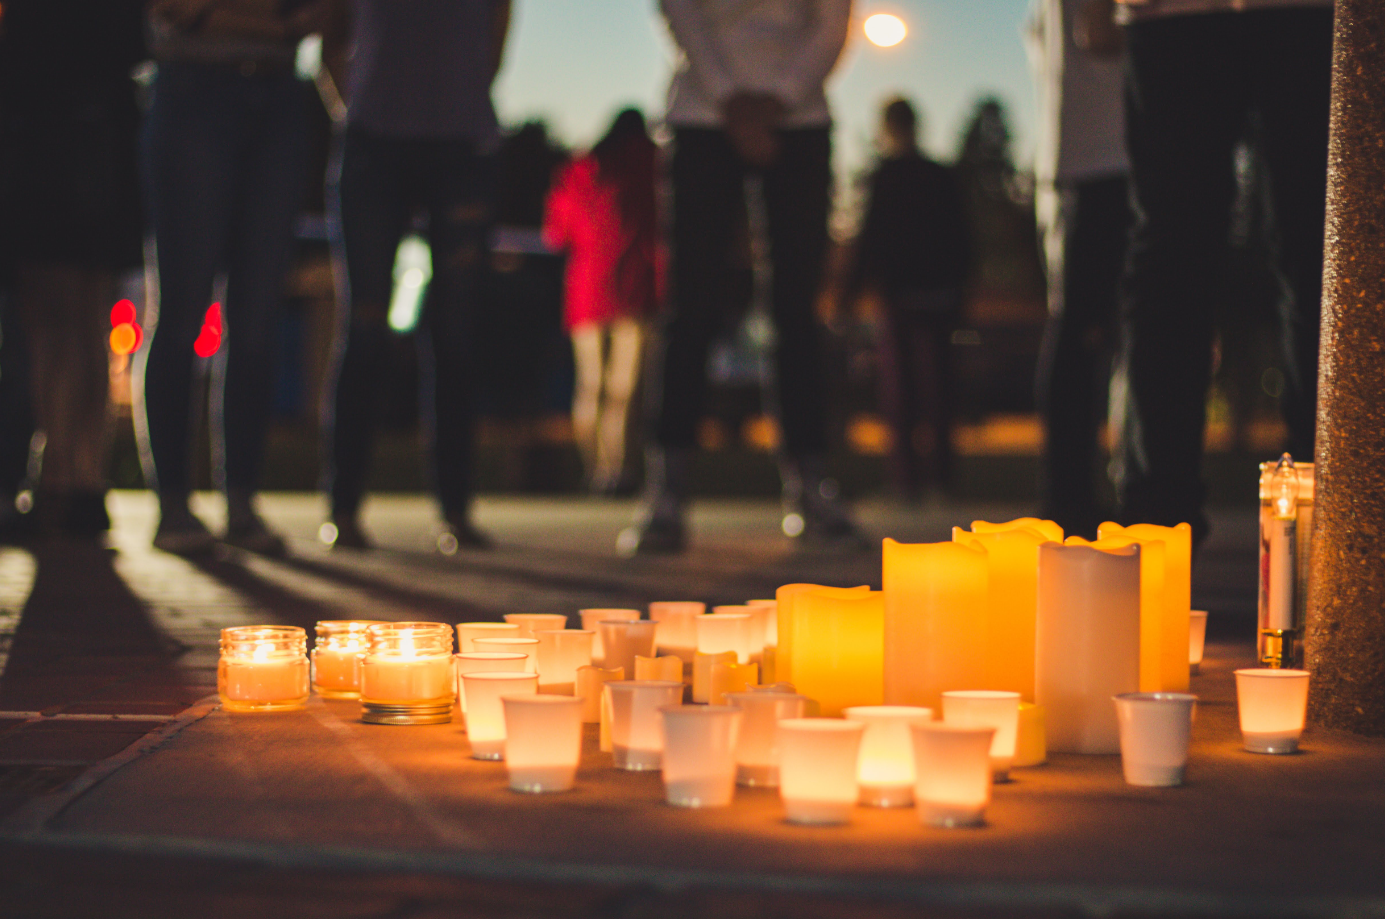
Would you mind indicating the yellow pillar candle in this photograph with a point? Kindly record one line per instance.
(1173, 627)
(1051, 531)
(728, 676)
(935, 631)
(785, 628)
(1012, 557)
(702, 673)
(838, 647)
(668, 667)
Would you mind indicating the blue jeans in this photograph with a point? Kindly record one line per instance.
(376, 186)
(225, 158)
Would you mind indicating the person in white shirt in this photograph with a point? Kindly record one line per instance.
(747, 99)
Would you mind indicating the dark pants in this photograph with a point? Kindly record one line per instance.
(1085, 249)
(226, 169)
(916, 385)
(708, 201)
(379, 183)
(1192, 83)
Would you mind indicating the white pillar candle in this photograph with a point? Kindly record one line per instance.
(953, 765)
(485, 714)
(981, 708)
(1087, 643)
(481, 661)
(1272, 705)
(623, 640)
(817, 768)
(720, 632)
(263, 668)
(590, 679)
(699, 757)
(1197, 637)
(677, 632)
(702, 672)
(636, 735)
(885, 770)
(560, 653)
(543, 741)
(757, 743)
(466, 631)
(529, 647)
(726, 676)
(755, 637)
(668, 667)
(529, 623)
(590, 618)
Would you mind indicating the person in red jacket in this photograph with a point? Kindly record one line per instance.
(602, 212)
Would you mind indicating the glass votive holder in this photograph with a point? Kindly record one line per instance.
(987, 708)
(699, 760)
(529, 647)
(590, 618)
(668, 667)
(728, 676)
(1197, 637)
(543, 741)
(721, 632)
(1154, 731)
(560, 653)
(1031, 740)
(468, 631)
(1272, 706)
(622, 640)
(406, 675)
(677, 632)
(481, 661)
(337, 656)
(757, 742)
(702, 672)
(636, 732)
(952, 768)
(529, 623)
(263, 668)
(885, 769)
(590, 680)
(817, 768)
(485, 714)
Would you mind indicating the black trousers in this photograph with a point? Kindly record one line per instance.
(708, 202)
(1193, 81)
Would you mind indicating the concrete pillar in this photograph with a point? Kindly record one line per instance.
(1345, 642)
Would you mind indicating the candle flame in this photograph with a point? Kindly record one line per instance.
(262, 650)
(1284, 487)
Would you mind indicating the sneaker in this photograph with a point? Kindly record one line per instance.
(344, 534)
(254, 535)
(183, 534)
(661, 534)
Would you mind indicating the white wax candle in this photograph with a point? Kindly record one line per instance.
(259, 681)
(393, 678)
(337, 670)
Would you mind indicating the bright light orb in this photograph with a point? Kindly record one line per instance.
(885, 29)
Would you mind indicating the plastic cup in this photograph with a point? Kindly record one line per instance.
(1154, 730)
(637, 738)
(952, 764)
(543, 741)
(1272, 705)
(699, 762)
(817, 769)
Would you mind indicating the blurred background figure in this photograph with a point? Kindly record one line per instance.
(1200, 73)
(747, 100)
(913, 254)
(1084, 217)
(72, 223)
(420, 133)
(601, 212)
(226, 159)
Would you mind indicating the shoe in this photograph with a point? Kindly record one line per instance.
(661, 534)
(460, 534)
(254, 535)
(181, 533)
(660, 530)
(344, 534)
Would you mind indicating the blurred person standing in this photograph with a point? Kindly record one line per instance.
(69, 189)
(1082, 199)
(913, 253)
(226, 162)
(420, 132)
(747, 100)
(1197, 70)
(601, 212)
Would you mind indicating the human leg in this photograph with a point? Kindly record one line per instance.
(587, 349)
(621, 376)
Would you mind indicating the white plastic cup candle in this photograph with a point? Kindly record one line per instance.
(406, 675)
(952, 764)
(677, 632)
(817, 768)
(590, 618)
(485, 715)
(543, 741)
(986, 708)
(590, 679)
(1155, 727)
(885, 769)
(720, 632)
(702, 672)
(755, 635)
(263, 668)
(622, 640)
(757, 742)
(1197, 637)
(529, 623)
(699, 760)
(767, 614)
(1272, 705)
(636, 733)
(667, 667)
(468, 631)
(529, 647)
(560, 653)
(481, 661)
(337, 656)
(727, 676)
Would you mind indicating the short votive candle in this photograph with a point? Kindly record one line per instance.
(677, 632)
(543, 741)
(625, 639)
(1031, 742)
(406, 675)
(730, 677)
(481, 661)
(757, 742)
(263, 668)
(817, 768)
(1197, 637)
(988, 708)
(699, 757)
(337, 653)
(636, 732)
(702, 672)
(885, 770)
(590, 680)
(529, 623)
(1272, 706)
(721, 632)
(469, 631)
(952, 766)
(590, 618)
(754, 638)
(667, 667)
(560, 653)
(485, 714)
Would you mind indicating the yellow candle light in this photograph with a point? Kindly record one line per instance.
(485, 716)
(1051, 531)
(817, 769)
(337, 657)
(543, 741)
(886, 767)
(406, 676)
(784, 625)
(677, 631)
(589, 682)
(591, 619)
(838, 648)
(757, 744)
(263, 668)
(560, 653)
(1030, 746)
(702, 672)
(728, 676)
(936, 628)
(1171, 633)
(667, 667)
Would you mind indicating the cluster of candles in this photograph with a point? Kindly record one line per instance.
(826, 692)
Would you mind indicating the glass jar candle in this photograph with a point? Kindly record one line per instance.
(337, 656)
(263, 668)
(406, 676)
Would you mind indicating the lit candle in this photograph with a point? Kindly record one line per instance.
(885, 770)
(529, 623)
(1197, 638)
(677, 632)
(702, 673)
(406, 676)
(817, 769)
(1031, 749)
(953, 768)
(590, 619)
(699, 754)
(719, 632)
(784, 625)
(936, 621)
(529, 647)
(467, 631)
(625, 639)
(757, 744)
(543, 741)
(659, 668)
(1051, 531)
(1177, 544)
(482, 661)
(637, 740)
(728, 676)
(980, 708)
(1087, 643)
(485, 713)
(1272, 704)
(838, 647)
(770, 624)
(754, 636)
(337, 657)
(1153, 604)
(589, 682)
(560, 653)
(263, 668)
